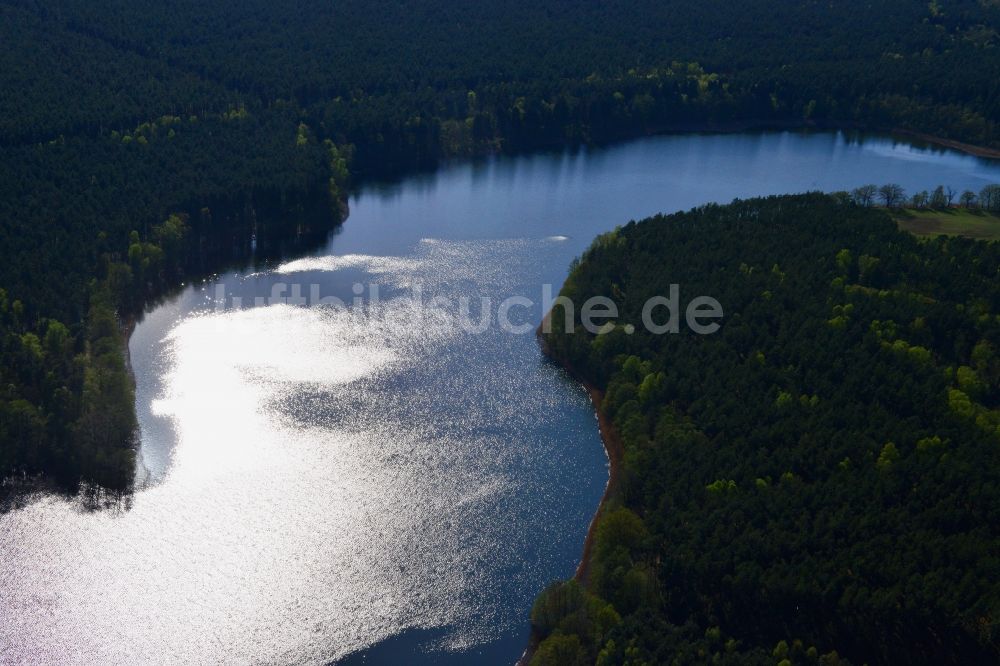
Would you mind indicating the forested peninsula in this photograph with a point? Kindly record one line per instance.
(818, 482)
(144, 144)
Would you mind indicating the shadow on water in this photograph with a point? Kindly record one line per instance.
(257, 230)
(399, 649)
(366, 483)
(19, 492)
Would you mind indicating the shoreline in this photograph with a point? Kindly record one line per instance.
(613, 446)
(967, 148)
(614, 449)
(130, 321)
(732, 127)
(909, 136)
(764, 125)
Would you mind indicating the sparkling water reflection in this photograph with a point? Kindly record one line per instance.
(322, 481)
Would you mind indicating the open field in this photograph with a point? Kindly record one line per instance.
(952, 222)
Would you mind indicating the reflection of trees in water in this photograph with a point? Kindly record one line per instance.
(19, 493)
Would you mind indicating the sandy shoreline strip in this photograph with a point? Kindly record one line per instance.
(615, 450)
(613, 447)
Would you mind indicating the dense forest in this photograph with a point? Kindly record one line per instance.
(142, 144)
(818, 482)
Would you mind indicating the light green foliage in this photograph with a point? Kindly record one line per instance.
(841, 316)
(560, 650)
(58, 341)
(567, 608)
(930, 444)
(339, 158)
(619, 528)
(969, 382)
(960, 403)
(32, 346)
(845, 260)
(720, 486)
(866, 267)
(915, 353)
(170, 236)
(885, 331)
(651, 388)
(236, 114)
(887, 457)
(302, 135)
(919, 354)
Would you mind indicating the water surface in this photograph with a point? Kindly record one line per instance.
(372, 483)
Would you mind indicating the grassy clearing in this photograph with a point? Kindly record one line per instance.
(953, 222)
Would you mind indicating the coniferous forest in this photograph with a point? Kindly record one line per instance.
(817, 482)
(252, 118)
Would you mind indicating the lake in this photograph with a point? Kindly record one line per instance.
(378, 482)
